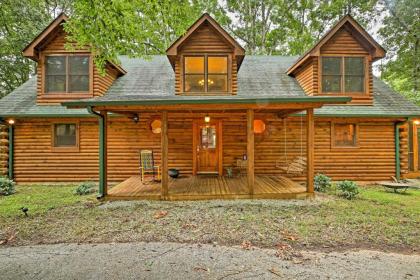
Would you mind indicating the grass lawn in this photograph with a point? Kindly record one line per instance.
(377, 220)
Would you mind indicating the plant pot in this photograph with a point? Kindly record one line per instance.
(173, 173)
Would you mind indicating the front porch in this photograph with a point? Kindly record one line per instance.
(203, 187)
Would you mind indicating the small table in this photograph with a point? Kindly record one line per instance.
(242, 165)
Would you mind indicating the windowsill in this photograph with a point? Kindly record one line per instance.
(65, 149)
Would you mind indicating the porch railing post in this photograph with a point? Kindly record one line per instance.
(310, 133)
(164, 157)
(103, 176)
(250, 150)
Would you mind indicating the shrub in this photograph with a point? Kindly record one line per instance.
(85, 188)
(7, 186)
(347, 189)
(322, 182)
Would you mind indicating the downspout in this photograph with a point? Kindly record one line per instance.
(397, 150)
(11, 151)
(101, 190)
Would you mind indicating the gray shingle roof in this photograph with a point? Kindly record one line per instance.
(259, 77)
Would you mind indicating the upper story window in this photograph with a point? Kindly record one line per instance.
(206, 73)
(67, 74)
(343, 74)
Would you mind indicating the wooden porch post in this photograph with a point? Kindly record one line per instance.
(310, 133)
(250, 149)
(164, 149)
(103, 148)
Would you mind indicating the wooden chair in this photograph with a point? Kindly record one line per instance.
(295, 167)
(148, 167)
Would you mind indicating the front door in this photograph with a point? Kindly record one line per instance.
(207, 143)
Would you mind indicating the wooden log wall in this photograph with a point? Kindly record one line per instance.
(4, 150)
(100, 83)
(206, 40)
(307, 77)
(36, 161)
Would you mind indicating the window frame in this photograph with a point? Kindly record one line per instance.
(65, 94)
(333, 135)
(74, 148)
(206, 73)
(343, 74)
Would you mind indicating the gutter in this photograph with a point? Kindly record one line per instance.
(102, 164)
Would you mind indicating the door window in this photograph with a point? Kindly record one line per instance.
(208, 137)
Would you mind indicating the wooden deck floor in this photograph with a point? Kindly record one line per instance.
(209, 187)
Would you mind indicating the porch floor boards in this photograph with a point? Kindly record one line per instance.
(209, 187)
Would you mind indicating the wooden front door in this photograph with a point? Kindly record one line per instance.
(207, 148)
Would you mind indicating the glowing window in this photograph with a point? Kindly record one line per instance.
(156, 126)
(259, 126)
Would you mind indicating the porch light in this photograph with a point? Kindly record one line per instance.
(136, 118)
(206, 118)
(416, 122)
(11, 121)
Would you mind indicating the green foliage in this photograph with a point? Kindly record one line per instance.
(322, 182)
(20, 23)
(85, 188)
(401, 37)
(347, 189)
(7, 186)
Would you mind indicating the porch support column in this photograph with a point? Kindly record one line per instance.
(164, 157)
(310, 132)
(250, 149)
(103, 148)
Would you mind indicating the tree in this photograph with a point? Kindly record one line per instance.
(401, 37)
(20, 22)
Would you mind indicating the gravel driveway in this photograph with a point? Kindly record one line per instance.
(186, 261)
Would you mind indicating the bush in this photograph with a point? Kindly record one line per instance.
(322, 182)
(85, 188)
(347, 189)
(7, 186)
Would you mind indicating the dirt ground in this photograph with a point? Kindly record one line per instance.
(156, 260)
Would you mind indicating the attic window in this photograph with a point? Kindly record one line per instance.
(67, 74)
(205, 73)
(343, 74)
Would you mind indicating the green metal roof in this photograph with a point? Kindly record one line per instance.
(260, 79)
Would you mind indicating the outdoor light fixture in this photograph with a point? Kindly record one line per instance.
(206, 118)
(11, 121)
(416, 122)
(136, 118)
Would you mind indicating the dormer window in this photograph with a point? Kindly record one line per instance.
(206, 74)
(67, 74)
(343, 74)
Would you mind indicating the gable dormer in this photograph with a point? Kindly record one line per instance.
(340, 64)
(206, 60)
(64, 75)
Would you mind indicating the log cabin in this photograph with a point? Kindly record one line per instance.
(232, 125)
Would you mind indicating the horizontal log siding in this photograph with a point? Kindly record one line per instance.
(373, 159)
(36, 162)
(101, 83)
(205, 40)
(4, 149)
(307, 77)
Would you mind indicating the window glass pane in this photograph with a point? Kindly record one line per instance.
(65, 135)
(194, 64)
(194, 83)
(217, 64)
(331, 83)
(217, 83)
(354, 83)
(55, 83)
(345, 135)
(331, 65)
(55, 65)
(354, 66)
(208, 137)
(79, 65)
(78, 83)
